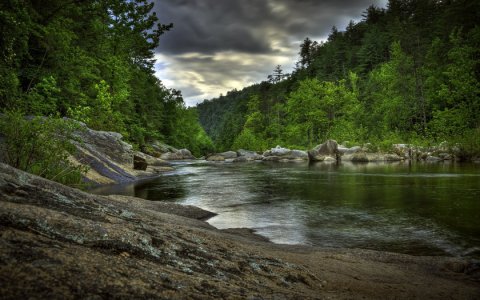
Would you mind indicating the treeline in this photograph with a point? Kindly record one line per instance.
(92, 61)
(407, 73)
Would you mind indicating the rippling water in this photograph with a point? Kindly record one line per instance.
(420, 209)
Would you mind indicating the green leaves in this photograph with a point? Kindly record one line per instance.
(318, 107)
(40, 146)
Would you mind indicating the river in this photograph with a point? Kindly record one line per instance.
(419, 209)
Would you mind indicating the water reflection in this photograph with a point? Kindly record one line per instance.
(411, 208)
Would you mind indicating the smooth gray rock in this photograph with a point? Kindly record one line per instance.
(277, 151)
(215, 158)
(228, 154)
(320, 152)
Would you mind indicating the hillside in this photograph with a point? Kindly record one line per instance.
(408, 73)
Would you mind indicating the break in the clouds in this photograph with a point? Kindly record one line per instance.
(218, 45)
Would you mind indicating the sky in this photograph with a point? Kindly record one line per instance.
(219, 45)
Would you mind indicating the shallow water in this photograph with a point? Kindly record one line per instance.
(420, 209)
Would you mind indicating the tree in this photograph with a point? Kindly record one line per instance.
(277, 75)
(307, 49)
(315, 108)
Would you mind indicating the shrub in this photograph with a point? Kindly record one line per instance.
(40, 146)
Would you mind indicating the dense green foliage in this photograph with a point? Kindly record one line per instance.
(40, 146)
(407, 73)
(92, 61)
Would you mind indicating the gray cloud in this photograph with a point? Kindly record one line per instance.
(218, 45)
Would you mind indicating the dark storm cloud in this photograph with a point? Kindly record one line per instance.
(208, 26)
(217, 45)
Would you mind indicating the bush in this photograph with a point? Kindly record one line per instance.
(468, 144)
(40, 146)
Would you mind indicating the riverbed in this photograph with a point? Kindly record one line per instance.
(418, 209)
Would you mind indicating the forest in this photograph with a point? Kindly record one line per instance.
(407, 73)
(92, 61)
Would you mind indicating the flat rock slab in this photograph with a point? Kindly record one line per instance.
(61, 243)
(187, 211)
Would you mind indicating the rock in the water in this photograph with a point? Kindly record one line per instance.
(228, 154)
(392, 157)
(432, 158)
(277, 151)
(284, 154)
(322, 151)
(245, 155)
(186, 154)
(139, 163)
(157, 148)
(359, 157)
(298, 154)
(171, 156)
(272, 158)
(242, 159)
(215, 158)
(445, 156)
(152, 161)
(348, 151)
(177, 155)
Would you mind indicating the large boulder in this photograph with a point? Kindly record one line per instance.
(228, 154)
(325, 151)
(109, 158)
(277, 151)
(284, 154)
(186, 154)
(152, 161)
(359, 156)
(215, 157)
(347, 151)
(362, 156)
(106, 143)
(298, 154)
(246, 155)
(157, 148)
(177, 155)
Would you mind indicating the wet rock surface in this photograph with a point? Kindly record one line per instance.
(284, 154)
(327, 151)
(61, 243)
(111, 160)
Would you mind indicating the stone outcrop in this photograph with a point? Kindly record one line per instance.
(284, 154)
(163, 151)
(215, 157)
(61, 243)
(151, 160)
(246, 155)
(157, 148)
(177, 155)
(224, 156)
(362, 156)
(111, 160)
(327, 151)
(228, 154)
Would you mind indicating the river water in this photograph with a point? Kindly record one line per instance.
(419, 209)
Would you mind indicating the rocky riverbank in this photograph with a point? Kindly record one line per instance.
(331, 151)
(110, 160)
(60, 243)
